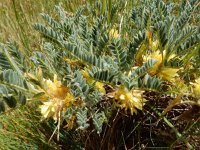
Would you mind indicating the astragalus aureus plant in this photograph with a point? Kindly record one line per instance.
(100, 75)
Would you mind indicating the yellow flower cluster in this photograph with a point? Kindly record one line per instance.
(55, 88)
(158, 69)
(129, 100)
(114, 33)
(57, 98)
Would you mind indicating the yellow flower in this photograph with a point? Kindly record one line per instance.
(58, 98)
(54, 106)
(48, 109)
(71, 122)
(55, 89)
(98, 85)
(158, 69)
(157, 56)
(168, 74)
(69, 99)
(129, 100)
(114, 33)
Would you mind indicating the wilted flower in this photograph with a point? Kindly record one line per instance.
(58, 98)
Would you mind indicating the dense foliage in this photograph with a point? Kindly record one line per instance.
(119, 78)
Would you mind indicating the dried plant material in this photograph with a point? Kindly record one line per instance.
(71, 122)
(171, 104)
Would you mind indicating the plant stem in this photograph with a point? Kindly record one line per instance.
(178, 134)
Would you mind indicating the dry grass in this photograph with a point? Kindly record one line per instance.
(21, 128)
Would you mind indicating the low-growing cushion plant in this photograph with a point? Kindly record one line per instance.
(118, 78)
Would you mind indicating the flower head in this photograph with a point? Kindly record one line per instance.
(114, 33)
(129, 100)
(157, 56)
(158, 69)
(55, 88)
(167, 73)
(57, 98)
